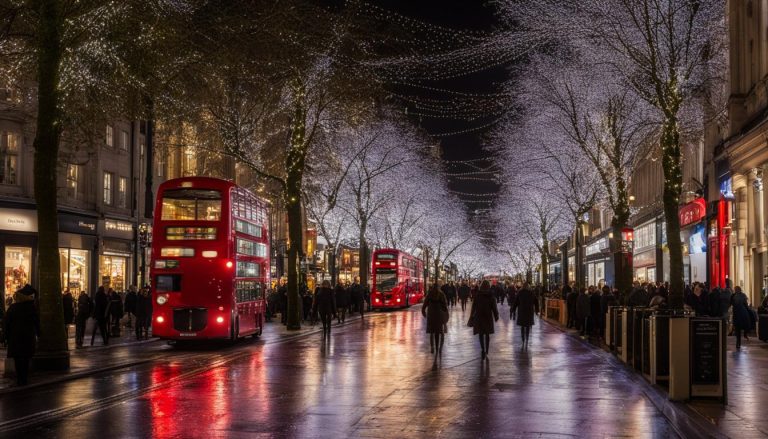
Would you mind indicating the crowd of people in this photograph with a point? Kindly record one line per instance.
(484, 312)
(348, 299)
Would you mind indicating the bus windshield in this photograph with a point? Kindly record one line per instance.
(191, 205)
(386, 279)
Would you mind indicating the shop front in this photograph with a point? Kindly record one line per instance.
(77, 245)
(645, 252)
(599, 268)
(116, 254)
(18, 248)
(693, 236)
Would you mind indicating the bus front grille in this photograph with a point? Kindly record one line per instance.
(190, 319)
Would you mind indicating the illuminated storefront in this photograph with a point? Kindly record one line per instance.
(116, 254)
(18, 244)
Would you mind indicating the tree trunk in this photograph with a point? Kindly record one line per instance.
(578, 269)
(545, 265)
(332, 263)
(363, 258)
(52, 352)
(295, 161)
(673, 176)
(622, 262)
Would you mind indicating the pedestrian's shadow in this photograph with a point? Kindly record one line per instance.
(485, 370)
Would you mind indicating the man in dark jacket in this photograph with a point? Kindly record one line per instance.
(101, 315)
(84, 311)
(115, 312)
(583, 311)
(324, 305)
(638, 297)
(463, 292)
(342, 302)
(698, 301)
(525, 302)
(68, 303)
(21, 327)
(130, 304)
(141, 307)
(594, 311)
(356, 296)
(570, 303)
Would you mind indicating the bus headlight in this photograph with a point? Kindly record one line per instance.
(219, 319)
(160, 319)
(161, 299)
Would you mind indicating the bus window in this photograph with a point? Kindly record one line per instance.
(386, 279)
(191, 204)
(168, 283)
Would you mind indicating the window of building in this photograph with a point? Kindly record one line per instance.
(17, 268)
(108, 187)
(73, 181)
(9, 157)
(110, 136)
(112, 271)
(122, 192)
(124, 140)
(74, 270)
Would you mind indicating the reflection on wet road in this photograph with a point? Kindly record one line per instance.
(371, 379)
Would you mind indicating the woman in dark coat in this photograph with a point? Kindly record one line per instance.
(324, 304)
(483, 315)
(527, 307)
(742, 320)
(68, 302)
(101, 315)
(583, 311)
(435, 309)
(342, 302)
(22, 327)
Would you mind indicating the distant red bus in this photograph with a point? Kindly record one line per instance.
(398, 279)
(210, 253)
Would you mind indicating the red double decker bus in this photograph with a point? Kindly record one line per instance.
(210, 253)
(398, 279)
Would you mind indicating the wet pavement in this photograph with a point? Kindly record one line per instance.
(373, 378)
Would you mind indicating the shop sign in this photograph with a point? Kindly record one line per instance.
(116, 248)
(18, 220)
(693, 212)
(118, 229)
(77, 224)
(644, 259)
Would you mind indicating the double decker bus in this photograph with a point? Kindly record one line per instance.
(210, 253)
(398, 279)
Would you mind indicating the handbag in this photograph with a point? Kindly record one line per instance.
(471, 321)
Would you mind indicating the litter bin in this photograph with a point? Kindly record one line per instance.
(762, 327)
(659, 345)
(616, 321)
(638, 316)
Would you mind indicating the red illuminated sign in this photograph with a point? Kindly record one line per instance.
(692, 212)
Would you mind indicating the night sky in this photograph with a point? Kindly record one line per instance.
(460, 15)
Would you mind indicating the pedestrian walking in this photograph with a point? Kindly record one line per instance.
(526, 306)
(511, 294)
(342, 301)
(463, 293)
(324, 305)
(68, 303)
(101, 315)
(435, 309)
(742, 315)
(141, 314)
(594, 312)
(306, 305)
(115, 312)
(147, 312)
(21, 327)
(583, 311)
(356, 296)
(84, 311)
(483, 315)
(281, 303)
(130, 305)
(570, 303)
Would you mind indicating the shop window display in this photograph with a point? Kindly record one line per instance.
(74, 270)
(17, 269)
(112, 272)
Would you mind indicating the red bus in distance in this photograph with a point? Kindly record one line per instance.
(398, 279)
(210, 253)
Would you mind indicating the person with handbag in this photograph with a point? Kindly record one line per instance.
(483, 315)
(435, 309)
